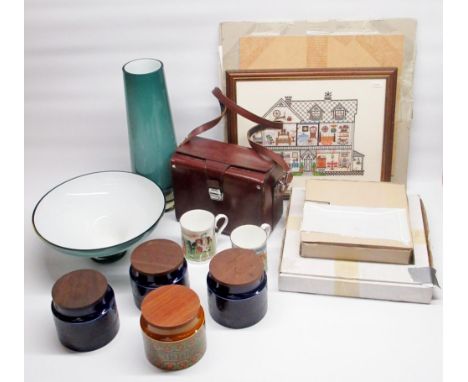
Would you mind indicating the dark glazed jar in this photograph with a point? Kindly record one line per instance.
(84, 309)
(156, 263)
(173, 325)
(237, 288)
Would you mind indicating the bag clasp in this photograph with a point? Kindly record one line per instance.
(216, 194)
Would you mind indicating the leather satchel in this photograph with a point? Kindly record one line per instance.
(246, 184)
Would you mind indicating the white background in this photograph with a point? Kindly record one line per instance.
(75, 123)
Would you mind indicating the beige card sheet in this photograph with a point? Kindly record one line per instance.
(331, 44)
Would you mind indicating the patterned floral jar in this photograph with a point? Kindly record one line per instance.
(156, 263)
(237, 288)
(84, 309)
(173, 325)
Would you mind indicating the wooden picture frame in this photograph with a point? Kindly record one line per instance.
(329, 131)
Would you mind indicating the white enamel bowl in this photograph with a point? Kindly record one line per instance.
(99, 215)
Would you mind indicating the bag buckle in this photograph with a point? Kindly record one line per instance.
(216, 194)
(285, 180)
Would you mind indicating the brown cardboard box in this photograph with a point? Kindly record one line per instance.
(327, 244)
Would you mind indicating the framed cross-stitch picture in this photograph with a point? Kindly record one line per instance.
(337, 123)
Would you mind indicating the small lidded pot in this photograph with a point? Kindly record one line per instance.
(84, 309)
(156, 263)
(237, 288)
(173, 325)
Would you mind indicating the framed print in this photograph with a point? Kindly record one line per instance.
(336, 122)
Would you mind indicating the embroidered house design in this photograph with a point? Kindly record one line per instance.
(317, 136)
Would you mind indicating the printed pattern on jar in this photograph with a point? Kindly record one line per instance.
(176, 355)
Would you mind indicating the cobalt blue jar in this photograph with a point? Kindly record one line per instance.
(155, 263)
(84, 309)
(237, 288)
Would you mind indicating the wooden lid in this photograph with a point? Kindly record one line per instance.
(79, 289)
(157, 257)
(170, 306)
(237, 267)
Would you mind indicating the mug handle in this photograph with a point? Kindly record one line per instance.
(267, 228)
(220, 230)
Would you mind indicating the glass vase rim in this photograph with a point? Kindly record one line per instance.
(161, 66)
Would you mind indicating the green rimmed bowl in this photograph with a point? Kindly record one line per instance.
(99, 215)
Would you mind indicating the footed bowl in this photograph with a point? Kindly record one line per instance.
(99, 215)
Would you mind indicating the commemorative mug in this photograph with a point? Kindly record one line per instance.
(252, 237)
(199, 230)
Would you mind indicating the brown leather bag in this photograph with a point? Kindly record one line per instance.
(245, 184)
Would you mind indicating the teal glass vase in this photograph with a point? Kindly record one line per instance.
(150, 127)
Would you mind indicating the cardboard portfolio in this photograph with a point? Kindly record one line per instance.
(330, 44)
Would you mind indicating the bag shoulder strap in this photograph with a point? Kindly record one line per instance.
(226, 103)
(231, 105)
(206, 126)
(263, 124)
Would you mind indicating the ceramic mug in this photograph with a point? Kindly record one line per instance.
(253, 237)
(199, 231)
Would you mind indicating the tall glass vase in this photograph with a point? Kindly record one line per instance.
(150, 128)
